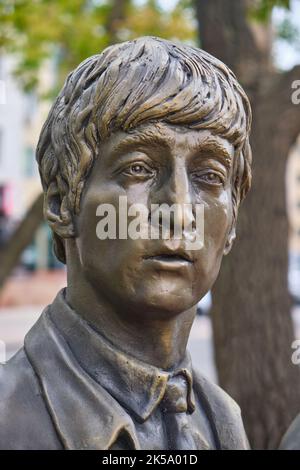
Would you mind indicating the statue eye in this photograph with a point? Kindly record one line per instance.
(213, 178)
(139, 169)
(210, 177)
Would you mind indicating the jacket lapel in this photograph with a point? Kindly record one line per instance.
(223, 413)
(85, 416)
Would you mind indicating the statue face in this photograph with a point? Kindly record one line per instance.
(155, 164)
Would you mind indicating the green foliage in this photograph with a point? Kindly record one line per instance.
(71, 30)
(287, 31)
(68, 31)
(262, 9)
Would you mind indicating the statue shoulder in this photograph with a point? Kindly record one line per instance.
(24, 420)
(291, 439)
(223, 413)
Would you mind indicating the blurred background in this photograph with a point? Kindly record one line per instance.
(244, 330)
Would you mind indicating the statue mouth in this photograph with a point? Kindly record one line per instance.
(167, 257)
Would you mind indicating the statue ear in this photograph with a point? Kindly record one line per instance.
(57, 212)
(230, 239)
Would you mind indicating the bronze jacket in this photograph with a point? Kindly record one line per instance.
(48, 401)
(291, 439)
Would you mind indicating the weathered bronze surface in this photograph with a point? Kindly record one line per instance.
(106, 366)
(291, 439)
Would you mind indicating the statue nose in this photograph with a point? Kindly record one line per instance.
(174, 208)
(176, 218)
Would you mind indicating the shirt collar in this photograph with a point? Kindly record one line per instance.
(138, 386)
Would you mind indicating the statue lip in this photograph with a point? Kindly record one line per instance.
(168, 255)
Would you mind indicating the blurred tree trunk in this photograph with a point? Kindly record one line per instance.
(10, 253)
(251, 315)
(117, 14)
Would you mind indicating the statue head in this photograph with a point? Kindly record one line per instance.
(159, 123)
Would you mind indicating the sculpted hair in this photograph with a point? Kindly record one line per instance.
(129, 84)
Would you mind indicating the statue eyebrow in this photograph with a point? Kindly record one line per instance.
(145, 138)
(214, 149)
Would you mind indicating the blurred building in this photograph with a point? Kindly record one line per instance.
(293, 208)
(21, 118)
(12, 119)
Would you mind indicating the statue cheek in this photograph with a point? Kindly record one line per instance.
(217, 221)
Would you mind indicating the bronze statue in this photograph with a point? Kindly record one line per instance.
(106, 366)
